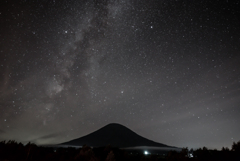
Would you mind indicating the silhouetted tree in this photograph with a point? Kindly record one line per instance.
(225, 149)
(236, 146)
(110, 156)
(185, 152)
(86, 154)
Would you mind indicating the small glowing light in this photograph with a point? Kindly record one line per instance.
(146, 152)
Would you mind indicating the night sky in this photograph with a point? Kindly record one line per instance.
(167, 69)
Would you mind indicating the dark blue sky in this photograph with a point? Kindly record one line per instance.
(168, 70)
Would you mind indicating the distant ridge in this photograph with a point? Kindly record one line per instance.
(116, 135)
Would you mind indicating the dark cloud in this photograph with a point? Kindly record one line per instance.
(46, 138)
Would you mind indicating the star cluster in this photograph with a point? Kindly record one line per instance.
(168, 70)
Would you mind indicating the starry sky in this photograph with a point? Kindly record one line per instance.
(167, 69)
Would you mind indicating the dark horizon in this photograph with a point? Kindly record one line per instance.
(167, 69)
(14, 151)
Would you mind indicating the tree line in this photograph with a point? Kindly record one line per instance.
(14, 151)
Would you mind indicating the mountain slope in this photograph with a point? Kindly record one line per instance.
(116, 135)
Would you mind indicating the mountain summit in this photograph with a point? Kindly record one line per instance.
(116, 135)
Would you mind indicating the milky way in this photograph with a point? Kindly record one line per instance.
(168, 70)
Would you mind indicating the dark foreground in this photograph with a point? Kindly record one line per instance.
(13, 151)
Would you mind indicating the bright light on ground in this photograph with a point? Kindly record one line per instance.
(146, 152)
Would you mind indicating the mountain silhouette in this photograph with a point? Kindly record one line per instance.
(116, 135)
